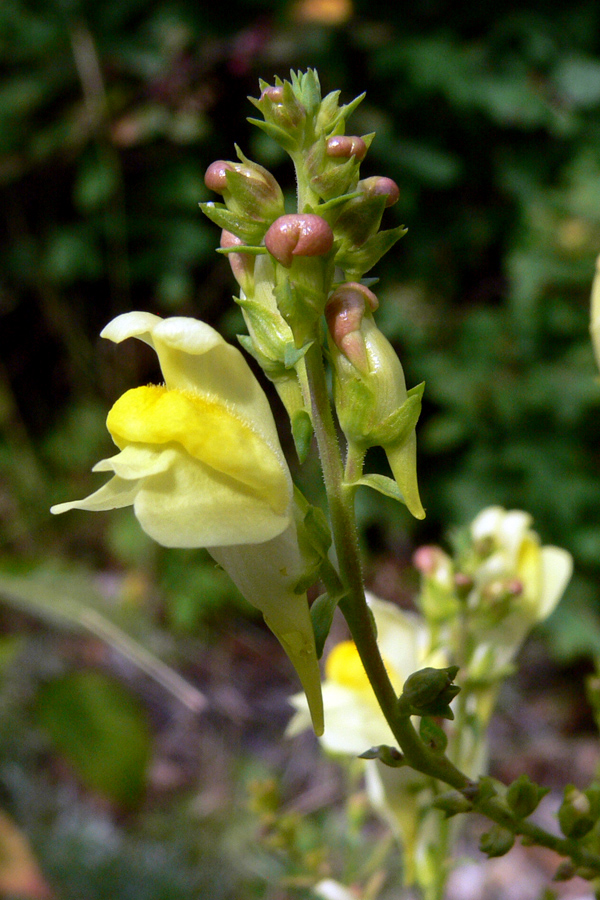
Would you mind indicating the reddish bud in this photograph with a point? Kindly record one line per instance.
(298, 235)
(380, 185)
(215, 178)
(346, 146)
(242, 264)
(344, 313)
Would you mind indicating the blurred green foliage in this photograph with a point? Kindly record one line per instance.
(488, 119)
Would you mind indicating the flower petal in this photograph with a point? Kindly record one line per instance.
(557, 568)
(265, 574)
(191, 505)
(115, 494)
(194, 357)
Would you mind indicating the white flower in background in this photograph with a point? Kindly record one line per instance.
(510, 562)
(328, 889)
(201, 464)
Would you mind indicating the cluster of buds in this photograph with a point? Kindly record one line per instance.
(293, 268)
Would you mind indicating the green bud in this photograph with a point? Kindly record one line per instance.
(575, 813)
(481, 790)
(451, 803)
(284, 113)
(497, 841)
(371, 400)
(389, 756)
(429, 691)
(523, 796)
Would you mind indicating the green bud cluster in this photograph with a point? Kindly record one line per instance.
(294, 268)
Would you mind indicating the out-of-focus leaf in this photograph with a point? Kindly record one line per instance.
(72, 602)
(101, 729)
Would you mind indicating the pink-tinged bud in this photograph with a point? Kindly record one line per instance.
(273, 93)
(298, 235)
(215, 178)
(346, 146)
(344, 314)
(379, 185)
(428, 559)
(242, 264)
(282, 107)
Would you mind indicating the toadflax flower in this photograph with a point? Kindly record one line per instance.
(516, 582)
(200, 462)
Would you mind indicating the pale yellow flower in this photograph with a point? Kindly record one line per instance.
(201, 464)
(514, 556)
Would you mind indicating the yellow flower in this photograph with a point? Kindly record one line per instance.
(201, 464)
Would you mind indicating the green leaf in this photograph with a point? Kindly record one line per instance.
(302, 432)
(293, 354)
(321, 613)
(356, 261)
(248, 230)
(382, 484)
(434, 736)
(274, 131)
(101, 729)
(402, 422)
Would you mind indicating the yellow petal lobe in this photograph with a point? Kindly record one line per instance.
(208, 431)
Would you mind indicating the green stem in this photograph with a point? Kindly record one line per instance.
(354, 607)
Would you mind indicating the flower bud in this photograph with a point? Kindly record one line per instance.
(242, 264)
(344, 313)
(298, 235)
(451, 803)
(380, 186)
(430, 687)
(346, 146)
(523, 796)
(497, 841)
(437, 597)
(575, 814)
(432, 561)
(369, 387)
(215, 177)
(284, 113)
(247, 188)
(356, 228)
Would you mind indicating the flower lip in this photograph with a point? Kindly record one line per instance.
(208, 431)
